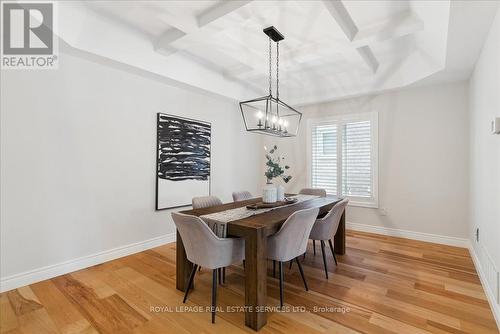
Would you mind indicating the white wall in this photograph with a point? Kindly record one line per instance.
(423, 158)
(78, 159)
(485, 156)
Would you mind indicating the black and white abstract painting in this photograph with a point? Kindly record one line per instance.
(183, 160)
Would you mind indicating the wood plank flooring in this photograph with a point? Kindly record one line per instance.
(382, 285)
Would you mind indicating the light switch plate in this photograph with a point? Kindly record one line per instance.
(495, 126)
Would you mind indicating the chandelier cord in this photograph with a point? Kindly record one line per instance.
(277, 69)
(270, 69)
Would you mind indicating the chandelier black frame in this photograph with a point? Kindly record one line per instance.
(279, 119)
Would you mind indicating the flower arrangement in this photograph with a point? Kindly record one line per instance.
(273, 165)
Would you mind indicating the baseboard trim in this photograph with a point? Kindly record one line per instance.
(495, 308)
(40, 274)
(435, 238)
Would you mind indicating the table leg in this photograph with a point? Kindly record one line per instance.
(339, 239)
(183, 266)
(255, 279)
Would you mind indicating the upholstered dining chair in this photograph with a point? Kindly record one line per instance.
(325, 228)
(313, 191)
(316, 192)
(205, 202)
(291, 241)
(241, 196)
(204, 248)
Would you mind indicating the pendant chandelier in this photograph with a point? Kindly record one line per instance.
(268, 114)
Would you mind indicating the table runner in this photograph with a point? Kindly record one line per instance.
(217, 221)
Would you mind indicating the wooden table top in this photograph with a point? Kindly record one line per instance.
(269, 222)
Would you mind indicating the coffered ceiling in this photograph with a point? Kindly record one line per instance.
(332, 49)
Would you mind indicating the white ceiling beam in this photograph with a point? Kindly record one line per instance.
(346, 23)
(162, 44)
(180, 26)
(185, 23)
(341, 15)
(366, 53)
(219, 10)
(402, 25)
(183, 26)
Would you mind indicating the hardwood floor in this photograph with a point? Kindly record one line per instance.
(382, 285)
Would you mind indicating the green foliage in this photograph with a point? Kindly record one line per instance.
(274, 168)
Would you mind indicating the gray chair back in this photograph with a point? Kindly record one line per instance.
(313, 191)
(291, 239)
(203, 247)
(205, 202)
(241, 195)
(326, 227)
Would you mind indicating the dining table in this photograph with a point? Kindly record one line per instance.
(255, 229)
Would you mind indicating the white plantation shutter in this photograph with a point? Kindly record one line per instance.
(357, 159)
(343, 157)
(324, 158)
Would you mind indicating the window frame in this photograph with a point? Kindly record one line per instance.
(339, 120)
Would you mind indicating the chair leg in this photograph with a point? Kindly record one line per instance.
(314, 247)
(333, 252)
(199, 268)
(243, 264)
(190, 283)
(302, 273)
(219, 271)
(304, 257)
(291, 262)
(281, 282)
(324, 257)
(274, 268)
(224, 275)
(214, 293)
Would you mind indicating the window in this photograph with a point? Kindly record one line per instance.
(343, 157)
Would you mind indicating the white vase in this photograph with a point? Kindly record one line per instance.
(269, 194)
(280, 193)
